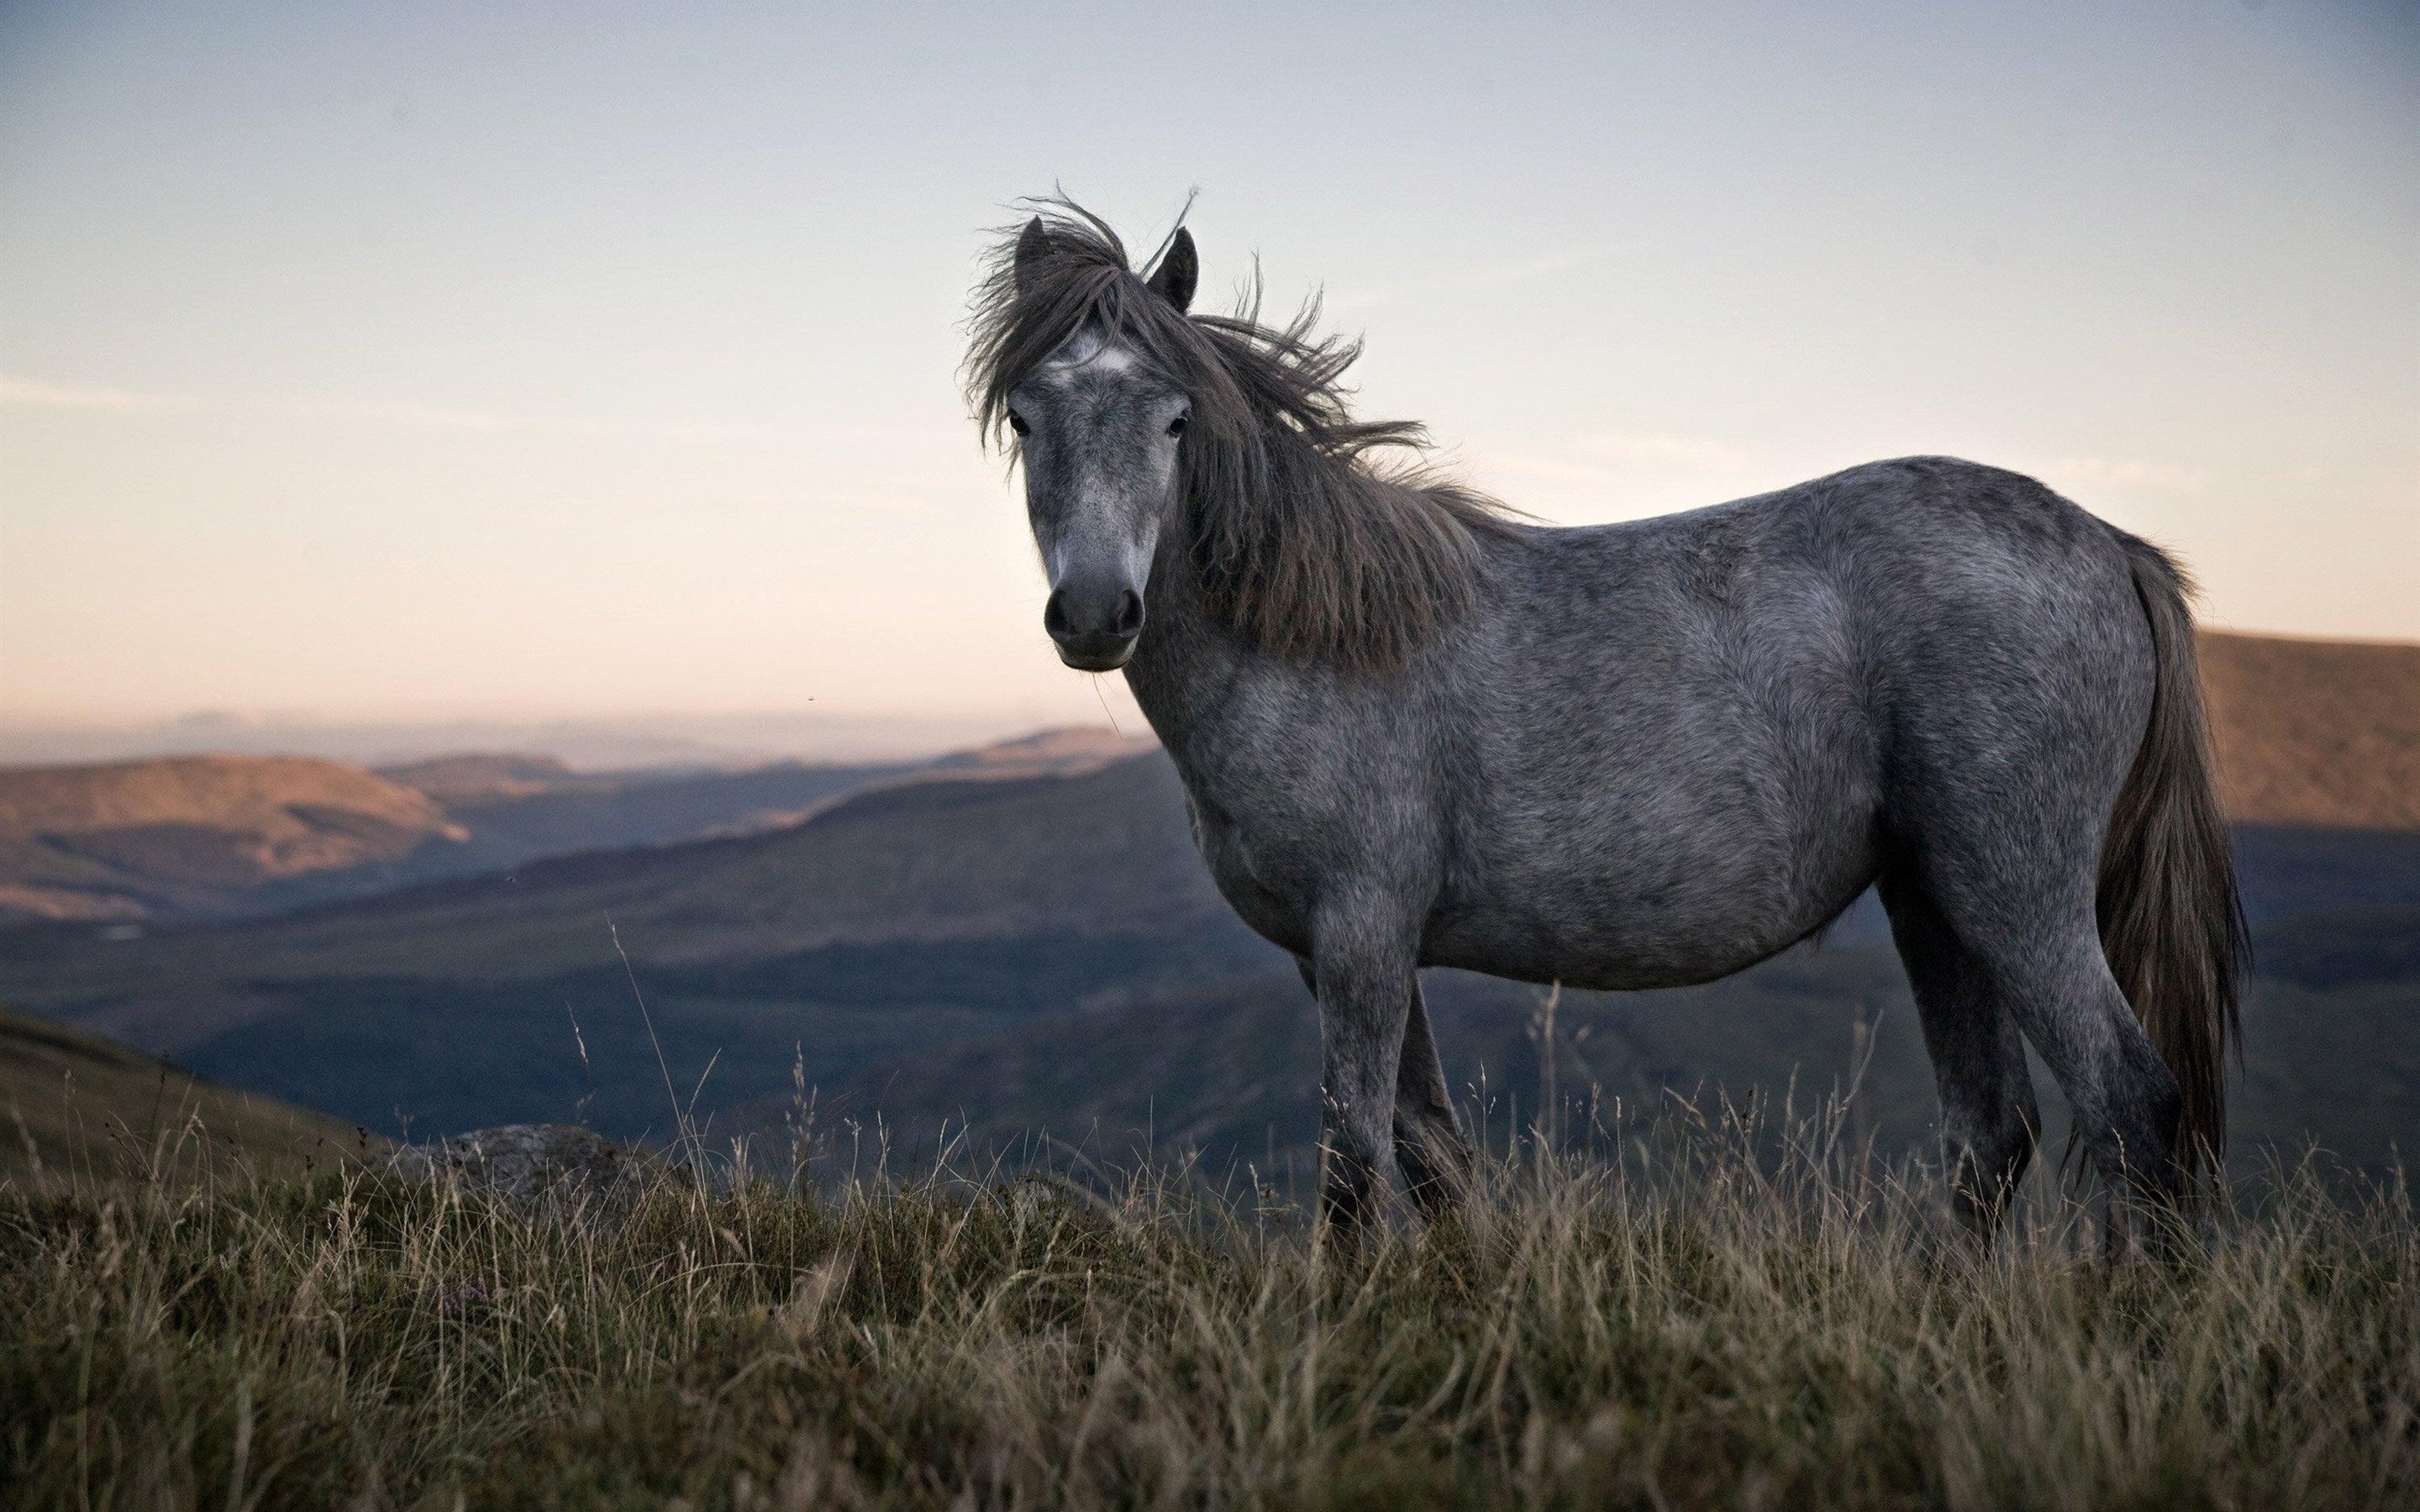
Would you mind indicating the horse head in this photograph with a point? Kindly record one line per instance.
(1099, 429)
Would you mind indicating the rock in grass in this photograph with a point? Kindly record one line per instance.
(533, 1163)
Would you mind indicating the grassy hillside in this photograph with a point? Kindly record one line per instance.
(1690, 1330)
(81, 1107)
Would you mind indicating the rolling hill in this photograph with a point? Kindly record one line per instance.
(895, 919)
(186, 838)
(188, 835)
(1047, 953)
(1017, 952)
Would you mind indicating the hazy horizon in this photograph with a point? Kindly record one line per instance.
(457, 367)
(631, 741)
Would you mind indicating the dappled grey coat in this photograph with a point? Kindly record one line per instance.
(1418, 730)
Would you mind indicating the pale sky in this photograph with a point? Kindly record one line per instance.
(380, 362)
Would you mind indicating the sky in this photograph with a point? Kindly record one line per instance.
(378, 363)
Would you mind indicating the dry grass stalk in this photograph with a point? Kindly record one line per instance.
(1722, 1317)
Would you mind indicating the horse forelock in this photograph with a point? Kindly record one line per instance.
(1308, 546)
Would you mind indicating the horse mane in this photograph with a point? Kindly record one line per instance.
(1310, 544)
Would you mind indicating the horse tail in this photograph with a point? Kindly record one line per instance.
(2171, 922)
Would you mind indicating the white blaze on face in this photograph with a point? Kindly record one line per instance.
(1120, 520)
(1078, 350)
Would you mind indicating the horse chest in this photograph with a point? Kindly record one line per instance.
(1259, 868)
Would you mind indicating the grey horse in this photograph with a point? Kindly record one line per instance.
(1415, 729)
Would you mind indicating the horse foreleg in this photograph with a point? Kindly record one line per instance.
(1429, 1144)
(1430, 1148)
(1366, 987)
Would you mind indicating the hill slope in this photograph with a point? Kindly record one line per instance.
(79, 1105)
(897, 919)
(2315, 731)
(189, 837)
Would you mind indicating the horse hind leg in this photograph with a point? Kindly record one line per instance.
(1989, 1120)
(1991, 938)
(2126, 1100)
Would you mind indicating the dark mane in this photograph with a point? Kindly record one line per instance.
(1309, 545)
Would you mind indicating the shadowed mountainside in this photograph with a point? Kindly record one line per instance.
(896, 921)
(1048, 953)
(1233, 1068)
(474, 777)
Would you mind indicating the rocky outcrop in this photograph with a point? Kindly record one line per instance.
(536, 1165)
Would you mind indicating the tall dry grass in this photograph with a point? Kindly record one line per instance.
(1702, 1320)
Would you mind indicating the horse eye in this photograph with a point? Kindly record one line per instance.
(1176, 426)
(1016, 423)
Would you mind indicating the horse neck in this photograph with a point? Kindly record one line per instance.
(1188, 654)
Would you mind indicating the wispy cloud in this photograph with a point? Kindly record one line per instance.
(1618, 474)
(1636, 472)
(1656, 449)
(435, 416)
(37, 393)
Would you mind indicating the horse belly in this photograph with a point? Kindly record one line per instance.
(1634, 941)
(1675, 894)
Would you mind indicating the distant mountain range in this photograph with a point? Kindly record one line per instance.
(185, 838)
(1005, 953)
(615, 743)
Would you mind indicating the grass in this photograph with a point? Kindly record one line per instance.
(1703, 1320)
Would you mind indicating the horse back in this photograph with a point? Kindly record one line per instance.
(1680, 738)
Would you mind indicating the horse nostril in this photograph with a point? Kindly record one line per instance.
(1129, 621)
(1054, 613)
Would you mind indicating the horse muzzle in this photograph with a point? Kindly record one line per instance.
(1096, 629)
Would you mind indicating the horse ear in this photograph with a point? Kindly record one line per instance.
(1179, 269)
(1033, 245)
